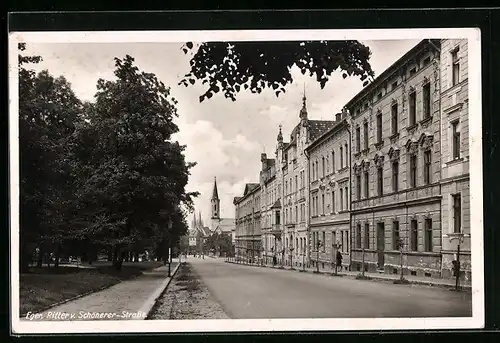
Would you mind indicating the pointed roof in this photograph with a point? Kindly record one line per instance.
(200, 222)
(215, 194)
(303, 110)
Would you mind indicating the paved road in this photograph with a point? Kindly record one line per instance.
(247, 292)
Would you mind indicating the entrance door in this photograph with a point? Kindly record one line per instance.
(380, 245)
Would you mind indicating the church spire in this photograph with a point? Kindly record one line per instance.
(194, 220)
(215, 202)
(200, 222)
(280, 136)
(215, 194)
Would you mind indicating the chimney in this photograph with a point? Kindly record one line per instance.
(338, 117)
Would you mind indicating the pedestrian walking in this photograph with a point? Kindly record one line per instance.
(339, 260)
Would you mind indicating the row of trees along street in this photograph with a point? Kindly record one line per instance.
(100, 176)
(105, 176)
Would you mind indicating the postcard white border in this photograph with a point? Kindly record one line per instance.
(258, 325)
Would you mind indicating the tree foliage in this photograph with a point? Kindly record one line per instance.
(48, 113)
(230, 67)
(220, 242)
(104, 174)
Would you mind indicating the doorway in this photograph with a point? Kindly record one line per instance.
(380, 246)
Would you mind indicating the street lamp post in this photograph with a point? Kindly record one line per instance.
(456, 265)
(291, 256)
(169, 247)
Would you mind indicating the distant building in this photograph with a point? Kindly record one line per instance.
(329, 193)
(218, 224)
(197, 234)
(270, 207)
(248, 233)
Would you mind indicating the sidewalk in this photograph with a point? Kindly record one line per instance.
(375, 276)
(132, 299)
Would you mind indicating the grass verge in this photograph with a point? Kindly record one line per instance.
(43, 287)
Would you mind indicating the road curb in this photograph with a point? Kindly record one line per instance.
(151, 301)
(375, 278)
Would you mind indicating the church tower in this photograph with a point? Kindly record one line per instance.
(215, 202)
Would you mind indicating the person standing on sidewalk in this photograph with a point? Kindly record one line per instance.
(339, 261)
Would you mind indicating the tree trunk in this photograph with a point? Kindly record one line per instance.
(110, 254)
(39, 260)
(117, 258)
(57, 255)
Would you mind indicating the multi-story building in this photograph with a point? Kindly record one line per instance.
(248, 233)
(454, 113)
(396, 166)
(292, 173)
(329, 194)
(270, 213)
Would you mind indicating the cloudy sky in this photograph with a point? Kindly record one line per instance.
(225, 138)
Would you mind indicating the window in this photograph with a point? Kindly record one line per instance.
(333, 161)
(379, 96)
(412, 99)
(317, 170)
(413, 71)
(341, 201)
(457, 213)
(323, 166)
(456, 67)
(296, 214)
(427, 167)
(395, 176)
(413, 171)
(367, 236)
(341, 158)
(358, 139)
(367, 183)
(346, 155)
(394, 85)
(296, 182)
(365, 131)
(286, 187)
(358, 187)
(324, 241)
(428, 235)
(395, 235)
(380, 180)
(456, 139)
(379, 128)
(333, 201)
(414, 235)
(358, 236)
(322, 204)
(346, 199)
(427, 60)
(426, 93)
(394, 118)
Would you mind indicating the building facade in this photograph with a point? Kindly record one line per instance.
(396, 152)
(329, 194)
(270, 214)
(248, 233)
(455, 182)
(293, 173)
